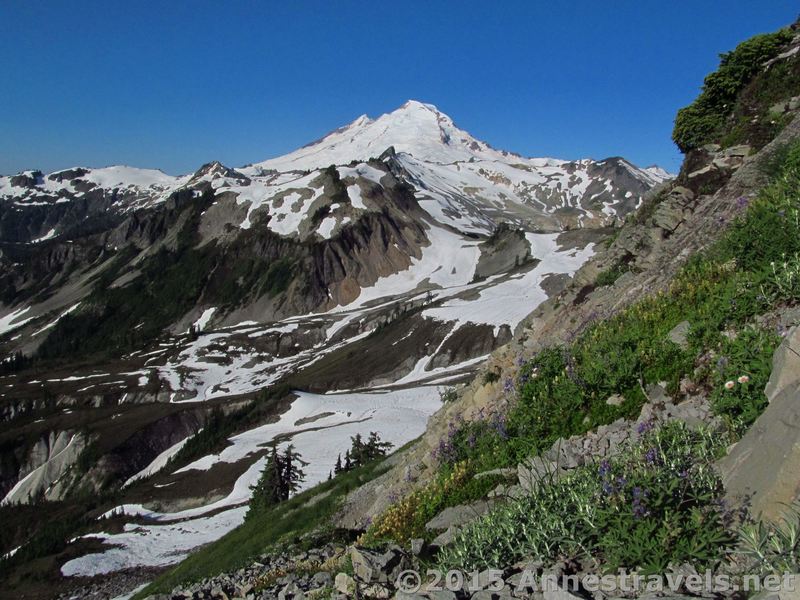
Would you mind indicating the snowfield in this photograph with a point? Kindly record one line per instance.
(398, 416)
(397, 411)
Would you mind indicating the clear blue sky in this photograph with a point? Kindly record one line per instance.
(177, 83)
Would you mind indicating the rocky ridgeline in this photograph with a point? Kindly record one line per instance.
(306, 574)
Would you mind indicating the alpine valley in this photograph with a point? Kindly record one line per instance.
(161, 332)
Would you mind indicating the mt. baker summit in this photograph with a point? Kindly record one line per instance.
(418, 129)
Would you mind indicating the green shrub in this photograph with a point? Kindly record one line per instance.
(703, 120)
(656, 503)
(491, 377)
(610, 275)
(406, 518)
(771, 548)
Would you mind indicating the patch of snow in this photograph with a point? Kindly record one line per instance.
(510, 301)
(354, 193)
(152, 545)
(159, 462)
(47, 236)
(57, 319)
(10, 321)
(201, 323)
(327, 226)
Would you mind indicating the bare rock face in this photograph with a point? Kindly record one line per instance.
(48, 461)
(785, 365)
(503, 251)
(765, 464)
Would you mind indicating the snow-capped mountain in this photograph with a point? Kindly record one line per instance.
(418, 129)
(459, 180)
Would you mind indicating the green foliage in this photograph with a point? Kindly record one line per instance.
(610, 275)
(740, 374)
(119, 318)
(771, 548)
(491, 377)
(88, 457)
(362, 452)
(280, 478)
(448, 395)
(278, 277)
(655, 503)
(406, 518)
(17, 361)
(703, 120)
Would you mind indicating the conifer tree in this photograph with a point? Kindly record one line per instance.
(281, 477)
(348, 462)
(337, 468)
(375, 448)
(293, 474)
(267, 491)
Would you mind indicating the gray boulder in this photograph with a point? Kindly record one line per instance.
(785, 365)
(457, 515)
(535, 469)
(376, 567)
(679, 334)
(445, 538)
(765, 464)
(345, 584)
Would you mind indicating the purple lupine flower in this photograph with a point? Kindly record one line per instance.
(520, 360)
(608, 488)
(604, 469)
(644, 427)
(742, 202)
(683, 474)
(639, 509)
(508, 386)
(498, 423)
(722, 362)
(639, 505)
(651, 456)
(444, 452)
